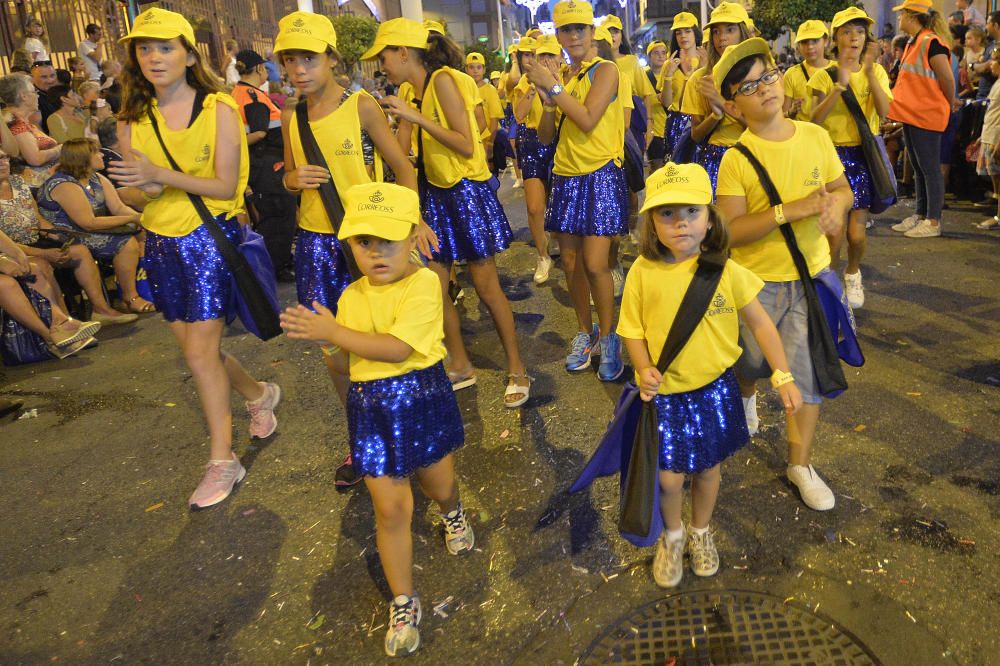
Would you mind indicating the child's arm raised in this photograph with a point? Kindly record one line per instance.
(766, 335)
(300, 323)
(649, 377)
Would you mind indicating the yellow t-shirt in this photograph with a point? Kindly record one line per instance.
(652, 297)
(578, 152)
(491, 106)
(442, 165)
(632, 72)
(728, 131)
(840, 123)
(678, 81)
(517, 94)
(658, 121)
(338, 135)
(410, 310)
(797, 166)
(797, 87)
(405, 93)
(172, 214)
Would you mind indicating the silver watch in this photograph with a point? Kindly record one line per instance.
(555, 90)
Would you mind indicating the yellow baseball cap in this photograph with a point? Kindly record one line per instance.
(751, 26)
(811, 29)
(737, 52)
(397, 32)
(534, 33)
(494, 75)
(434, 26)
(526, 45)
(548, 44)
(848, 15)
(475, 58)
(305, 31)
(570, 12)
(612, 21)
(684, 20)
(677, 184)
(156, 23)
(383, 210)
(915, 6)
(728, 12)
(654, 45)
(601, 34)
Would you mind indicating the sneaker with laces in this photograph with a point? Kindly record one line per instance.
(612, 366)
(542, 268)
(668, 563)
(815, 493)
(262, 420)
(580, 352)
(906, 224)
(704, 556)
(924, 230)
(221, 477)
(854, 289)
(403, 636)
(618, 280)
(750, 409)
(345, 476)
(458, 534)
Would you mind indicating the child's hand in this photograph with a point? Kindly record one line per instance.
(649, 382)
(301, 323)
(791, 398)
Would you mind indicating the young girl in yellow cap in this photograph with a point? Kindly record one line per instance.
(656, 54)
(165, 79)
(685, 57)
(402, 415)
(475, 66)
(456, 198)
(811, 40)
(856, 51)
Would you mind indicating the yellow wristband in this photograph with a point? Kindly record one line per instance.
(779, 215)
(780, 378)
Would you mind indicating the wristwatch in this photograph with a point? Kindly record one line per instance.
(555, 90)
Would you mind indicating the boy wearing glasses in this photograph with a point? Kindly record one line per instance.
(801, 160)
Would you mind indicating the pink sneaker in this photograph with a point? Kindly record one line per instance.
(262, 420)
(220, 478)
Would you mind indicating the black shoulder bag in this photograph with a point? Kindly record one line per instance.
(258, 301)
(639, 487)
(822, 347)
(328, 190)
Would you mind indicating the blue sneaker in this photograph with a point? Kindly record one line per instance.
(612, 366)
(580, 352)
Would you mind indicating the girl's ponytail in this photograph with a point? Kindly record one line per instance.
(442, 52)
(934, 21)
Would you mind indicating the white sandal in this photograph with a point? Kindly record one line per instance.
(516, 388)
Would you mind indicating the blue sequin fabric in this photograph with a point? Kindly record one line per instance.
(468, 219)
(189, 277)
(858, 176)
(710, 157)
(677, 124)
(533, 157)
(701, 428)
(320, 269)
(400, 424)
(594, 204)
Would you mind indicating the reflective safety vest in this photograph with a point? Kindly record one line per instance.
(917, 97)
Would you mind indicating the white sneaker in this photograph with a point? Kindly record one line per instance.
(924, 230)
(906, 224)
(618, 279)
(815, 493)
(668, 563)
(750, 408)
(542, 269)
(403, 636)
(855, 291)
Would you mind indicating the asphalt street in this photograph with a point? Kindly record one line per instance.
(103, 563)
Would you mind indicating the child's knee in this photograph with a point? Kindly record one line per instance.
(671, 483)
(395, 512)
(711, 475)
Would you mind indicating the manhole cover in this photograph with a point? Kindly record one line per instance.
(732, 627)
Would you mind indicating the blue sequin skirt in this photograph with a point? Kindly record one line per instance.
(858, 177)
(595, 204)
(400, 424)
(533, 157)
(701, 428)
(468, 219)
(710, 157)
(320, 269)
(677, 124)
(188, 276)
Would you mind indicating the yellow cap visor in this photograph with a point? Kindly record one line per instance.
(382, 210)
(397, 32)
(156, 23)
(811, 29)
(305, 31)
(684, 20)
(733, 54)
(572, 12)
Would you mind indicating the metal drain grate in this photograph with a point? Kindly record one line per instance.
(731, 627)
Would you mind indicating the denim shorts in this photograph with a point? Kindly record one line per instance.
(785, 303)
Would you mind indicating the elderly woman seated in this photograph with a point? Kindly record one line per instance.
(79, 199)
(36, 148)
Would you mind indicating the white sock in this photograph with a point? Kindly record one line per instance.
(675, 535)
(699, 530)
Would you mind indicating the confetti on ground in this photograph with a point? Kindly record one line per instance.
(860, 427)
(169, 404)
(154, 507)
(505, 434)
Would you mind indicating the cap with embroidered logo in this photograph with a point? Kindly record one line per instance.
(811, 29)
(677, 184)
(383, 210)
(526, 45)
(848, 15)
(570, 12)
(156, 23)
(684, 20)
(612, 21)
(755, 46)
(654, 45)
(305, 31)
(728, 12)
(434, 26)
(397, 32)
(475, 58)
(548, 44)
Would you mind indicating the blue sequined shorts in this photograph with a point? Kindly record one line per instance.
(320, 269)
(189, 279)
(677, 124)
(858, 177)
(595, 204)
(534, 157)
(468, 219)
(710, 157)
(400, 424)
(701, 428)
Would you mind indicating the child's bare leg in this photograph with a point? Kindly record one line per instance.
(393, 502)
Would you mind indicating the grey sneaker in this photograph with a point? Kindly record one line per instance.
(924, 230)
(704, 556)
(218, 483)
(458, 534)
(403, 636)
(668, 563)
(907, 224)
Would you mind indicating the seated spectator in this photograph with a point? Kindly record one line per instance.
(111, 87)
(94, 105)
(22, 223)
(69, 121)
(37, 149)
(64, 77)
(78, 198)
(975, 53)
(35, 42)
(107, 135)
(20, 61)
(77, 71)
